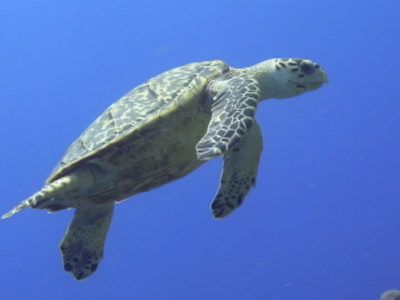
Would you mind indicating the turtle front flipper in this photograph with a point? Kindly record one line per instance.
(233, 106)
(83, 244)
(239, 173)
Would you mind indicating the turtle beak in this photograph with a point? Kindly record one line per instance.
(322, 74)
(318, 78)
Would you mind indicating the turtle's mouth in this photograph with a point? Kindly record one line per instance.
(309, 84)
(314, 81)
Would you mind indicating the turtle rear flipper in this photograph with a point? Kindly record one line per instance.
(53, 196)
(83, 244)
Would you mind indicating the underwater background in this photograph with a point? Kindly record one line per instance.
(323, 221)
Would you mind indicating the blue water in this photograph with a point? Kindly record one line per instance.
(323, 221)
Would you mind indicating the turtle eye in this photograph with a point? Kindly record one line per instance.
(307, 68)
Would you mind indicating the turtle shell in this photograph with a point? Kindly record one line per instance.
(142, 107)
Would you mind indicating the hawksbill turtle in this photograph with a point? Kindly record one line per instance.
(390, 295)
(161, 131)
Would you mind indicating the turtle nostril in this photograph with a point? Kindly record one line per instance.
(307, 68)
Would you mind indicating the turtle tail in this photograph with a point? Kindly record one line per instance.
(47, 197)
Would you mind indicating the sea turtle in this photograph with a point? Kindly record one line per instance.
(161, 131)
(391, 295)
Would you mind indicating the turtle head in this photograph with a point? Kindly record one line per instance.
(284, 78)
